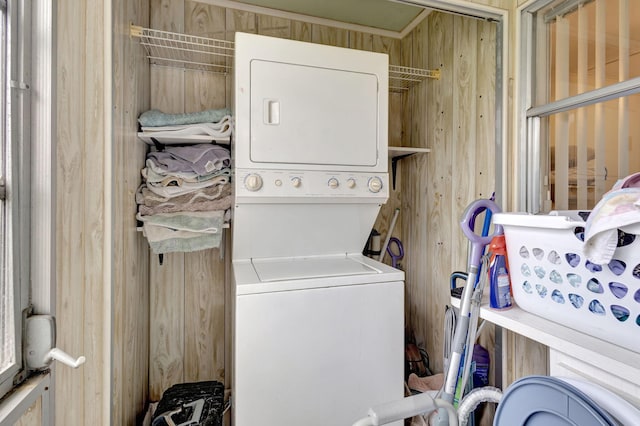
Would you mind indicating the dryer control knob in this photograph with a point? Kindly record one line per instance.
(351, 183)
(296, 182)
(375, 184)
(253, 182)
(333, 183)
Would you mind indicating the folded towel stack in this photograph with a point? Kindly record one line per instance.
(186, 196)
(204, 126)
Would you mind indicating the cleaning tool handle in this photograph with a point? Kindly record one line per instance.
(386, 241)
(478, 242)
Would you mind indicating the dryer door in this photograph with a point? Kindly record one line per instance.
(309, 115)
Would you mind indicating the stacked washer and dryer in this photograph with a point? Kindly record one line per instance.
(318, 327)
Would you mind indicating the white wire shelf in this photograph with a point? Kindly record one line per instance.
(185, 51)
(403, 78)
(208, 54)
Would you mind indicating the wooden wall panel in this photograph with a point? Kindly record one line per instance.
(188, 292)
(300, 31)
(274, 27)
(152, 320)
(464, 141)
(130, 306)
(437, 221)
(391, 47)
(328, 35)
(33, 415)
(102, 265)
(204, 345)
(166, 281)
(485, 164)
(451, 116)
(81, 306)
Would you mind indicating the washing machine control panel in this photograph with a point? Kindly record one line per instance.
(310, 184)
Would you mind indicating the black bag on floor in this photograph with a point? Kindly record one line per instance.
(191, 404)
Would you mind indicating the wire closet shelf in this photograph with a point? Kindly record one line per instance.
(208, 54)
(185, 51)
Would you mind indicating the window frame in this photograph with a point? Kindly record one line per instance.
(530, 131)
(34, 82)
(15, 117)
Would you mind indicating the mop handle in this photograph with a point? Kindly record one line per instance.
(478, 243)
(388, 238)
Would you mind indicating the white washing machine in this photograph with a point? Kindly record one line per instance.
(316, 339)
(318, 328)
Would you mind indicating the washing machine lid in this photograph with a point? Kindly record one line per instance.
(544, 401)
(281, 269)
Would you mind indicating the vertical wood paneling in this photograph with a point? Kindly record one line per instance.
(274, 27)
(166, 292)
(416, 198)
(166, 365)
(527, 357)
(33, 415)
(204, 20)
(238, 20)
(95, 214)
(179, 350)
(392, 48)
(92, 224)
(328, 35)
(406, 104)
(485, 99)
(70, 214)
(360, 41)
(300, 31)
(439, 190)
(454, 117)
(130, 335)
(485, 154)
(204, 345)
(429, 185)
(465, 141)
(204, 270)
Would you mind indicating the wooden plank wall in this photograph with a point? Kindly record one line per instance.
(170, 323)
(455, 117)
(102, 262)
(81, 214)
(130, 281)
(190, 323)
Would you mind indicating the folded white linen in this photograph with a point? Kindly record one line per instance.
(209, 222)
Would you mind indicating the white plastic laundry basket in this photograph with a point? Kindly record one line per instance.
(552, 278)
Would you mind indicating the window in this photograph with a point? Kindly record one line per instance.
(7, 349)
(582, 70)
(14, 213)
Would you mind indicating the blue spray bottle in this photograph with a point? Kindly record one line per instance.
(499, 282)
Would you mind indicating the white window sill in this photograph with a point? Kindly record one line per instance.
(14, 405)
